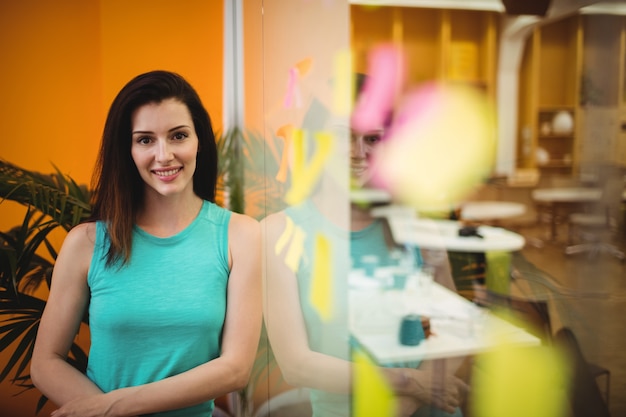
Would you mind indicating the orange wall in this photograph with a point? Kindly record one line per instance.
(63, 61)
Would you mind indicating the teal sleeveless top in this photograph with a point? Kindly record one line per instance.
(163, 312)
(332, 336)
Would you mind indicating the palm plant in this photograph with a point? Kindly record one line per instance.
(247, 166)
(27, 258)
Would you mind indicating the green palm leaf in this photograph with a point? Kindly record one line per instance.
(56, 195)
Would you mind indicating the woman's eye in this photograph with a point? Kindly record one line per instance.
(180, 136)
(372, 139)
(144, 140)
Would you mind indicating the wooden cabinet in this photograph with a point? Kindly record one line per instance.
(576, 65)
(548, 86)
(440, 44)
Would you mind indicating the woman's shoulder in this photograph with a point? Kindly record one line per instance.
(84, 233)
(243, 222)
(80, 242)
(274, 225)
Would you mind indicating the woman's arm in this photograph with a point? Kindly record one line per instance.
(227, 373)
(438, 260)
(61, 319)
(303, 367)
(285, 325)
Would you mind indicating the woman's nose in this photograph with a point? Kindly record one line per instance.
(358, 148)
(164, 152)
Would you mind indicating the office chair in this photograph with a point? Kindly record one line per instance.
(585, 397)
(595, 228)
(534, 317)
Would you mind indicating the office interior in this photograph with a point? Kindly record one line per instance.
(554, 72)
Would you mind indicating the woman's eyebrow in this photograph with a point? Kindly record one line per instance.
(179, 127)
(169, 130)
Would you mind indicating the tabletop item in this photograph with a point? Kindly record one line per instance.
(468, 231)
(411, 330)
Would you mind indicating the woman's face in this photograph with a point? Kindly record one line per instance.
(361, 147)
(164, 147)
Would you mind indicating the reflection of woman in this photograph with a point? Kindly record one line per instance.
(171, 279)
(311, 350)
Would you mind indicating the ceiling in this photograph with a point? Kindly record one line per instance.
(557, 7)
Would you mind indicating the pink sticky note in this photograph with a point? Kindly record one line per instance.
(386, 76)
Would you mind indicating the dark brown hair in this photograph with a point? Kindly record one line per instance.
(118, 189)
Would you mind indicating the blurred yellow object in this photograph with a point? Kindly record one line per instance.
(440, 147)
(522, 382)
(372, 394)
(322, 293)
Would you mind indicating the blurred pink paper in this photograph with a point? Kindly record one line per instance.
(293, 92)
(386, 76)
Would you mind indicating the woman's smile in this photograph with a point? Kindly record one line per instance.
(167, 174)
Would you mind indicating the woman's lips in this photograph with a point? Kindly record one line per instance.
(167, 174)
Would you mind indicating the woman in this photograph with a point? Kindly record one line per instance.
(171, 280)
(313, 351)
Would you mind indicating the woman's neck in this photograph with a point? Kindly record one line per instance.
(360, 217)
(166, 216)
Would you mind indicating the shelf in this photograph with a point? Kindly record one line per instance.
(558, 137)
(556, 164)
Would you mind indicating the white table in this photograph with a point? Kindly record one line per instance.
(491, 210)
(369, 195)
(444, 234)
(459, 327)
(406, 228)
(567, 194)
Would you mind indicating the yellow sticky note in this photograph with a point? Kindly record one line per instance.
(321, 290)
(342, 85)
(294, 237)
(292, 259)
(305, 174)
(520, 382)
(372, 395)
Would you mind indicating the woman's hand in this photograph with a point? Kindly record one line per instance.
(444, 393)
(100, 405)
(406, 406)
(426, 387)
(93, 406)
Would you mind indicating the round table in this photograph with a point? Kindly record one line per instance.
(491, 210)
(564, 199)
(444, 234)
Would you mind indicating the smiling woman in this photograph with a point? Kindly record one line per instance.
(154, 222)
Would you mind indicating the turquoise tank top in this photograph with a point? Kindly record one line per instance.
(332, 336)
(163, 312)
